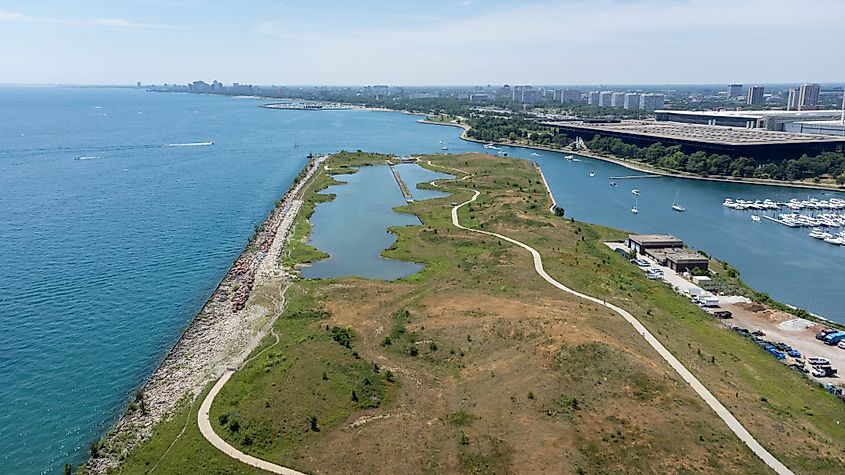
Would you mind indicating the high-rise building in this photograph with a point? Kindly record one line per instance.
(593, 98)
(755, 96)
(734, 90)
(569, 95)
(617, 99)
(632, 100)
(651, 102)
(808, 96)
(792, 100)
(604, 98)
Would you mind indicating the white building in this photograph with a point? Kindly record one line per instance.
(652, 102)
(632, 100)
(605, 98)
(593, 98)
(792, 100)
(617, 99)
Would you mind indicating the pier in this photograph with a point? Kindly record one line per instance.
(402, 186)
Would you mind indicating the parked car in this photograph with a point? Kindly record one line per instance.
(818, 361)
(824, 372)
(758, 333)
(799, 367)
(794, 353)
(841, 345)
(834, 338)
(827, 331)
(640, 262)
(723, 314)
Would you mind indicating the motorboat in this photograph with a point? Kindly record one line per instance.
(592, 173)
(675, 205)
(755, 218)
(635, 192)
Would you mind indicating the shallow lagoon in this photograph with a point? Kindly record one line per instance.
(352, 229)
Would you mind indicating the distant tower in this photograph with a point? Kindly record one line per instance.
(808, 97)
(734, 90)
(755, 96)
(792, 100)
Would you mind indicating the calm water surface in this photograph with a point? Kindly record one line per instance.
(105, 260)
(352, 229)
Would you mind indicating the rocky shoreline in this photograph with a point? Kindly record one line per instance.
(223, 333)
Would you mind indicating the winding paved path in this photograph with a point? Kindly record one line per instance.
(208, 431)
(218, 442)
(696, 385)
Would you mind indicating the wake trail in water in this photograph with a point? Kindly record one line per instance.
(190, 144)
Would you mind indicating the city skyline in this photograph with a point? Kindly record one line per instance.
(444, 42)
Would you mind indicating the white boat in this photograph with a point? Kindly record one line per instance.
(612, 183)
(635, 192)
(535, 154)
(635, 210)
(755, 218)
(675, 205)
(568, 157)
(592, 173)
(445, 148)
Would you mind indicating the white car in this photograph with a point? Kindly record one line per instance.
(842, 344)
(818, 361)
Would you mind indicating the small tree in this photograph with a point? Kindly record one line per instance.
(354, 396)
(315, 427)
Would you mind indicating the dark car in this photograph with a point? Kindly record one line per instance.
(722, 314)
(799, 367)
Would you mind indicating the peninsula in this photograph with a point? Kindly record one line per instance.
(525, 345)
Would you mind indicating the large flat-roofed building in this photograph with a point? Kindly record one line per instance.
(639, 243)
(679, 260)
(751, 119)
(667, 250)
(761, 145)
(820, 127)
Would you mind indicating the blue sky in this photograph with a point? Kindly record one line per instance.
(421, 42)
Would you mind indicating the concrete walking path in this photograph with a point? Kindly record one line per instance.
(696, 385)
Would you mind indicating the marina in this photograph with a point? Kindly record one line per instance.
(819, 216)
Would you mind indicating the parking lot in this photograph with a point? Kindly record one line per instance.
(776, 326)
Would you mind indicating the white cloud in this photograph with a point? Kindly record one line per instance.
(579, 41)
(124, 23)
(17, 17)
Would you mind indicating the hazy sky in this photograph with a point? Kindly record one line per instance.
(422, 42)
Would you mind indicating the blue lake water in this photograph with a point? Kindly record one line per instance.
(106, 260)
(352, 229)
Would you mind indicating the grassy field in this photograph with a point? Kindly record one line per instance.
(475, 365)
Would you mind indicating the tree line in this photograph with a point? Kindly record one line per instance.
(826, 164)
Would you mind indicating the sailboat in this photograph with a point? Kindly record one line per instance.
(675, 205)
